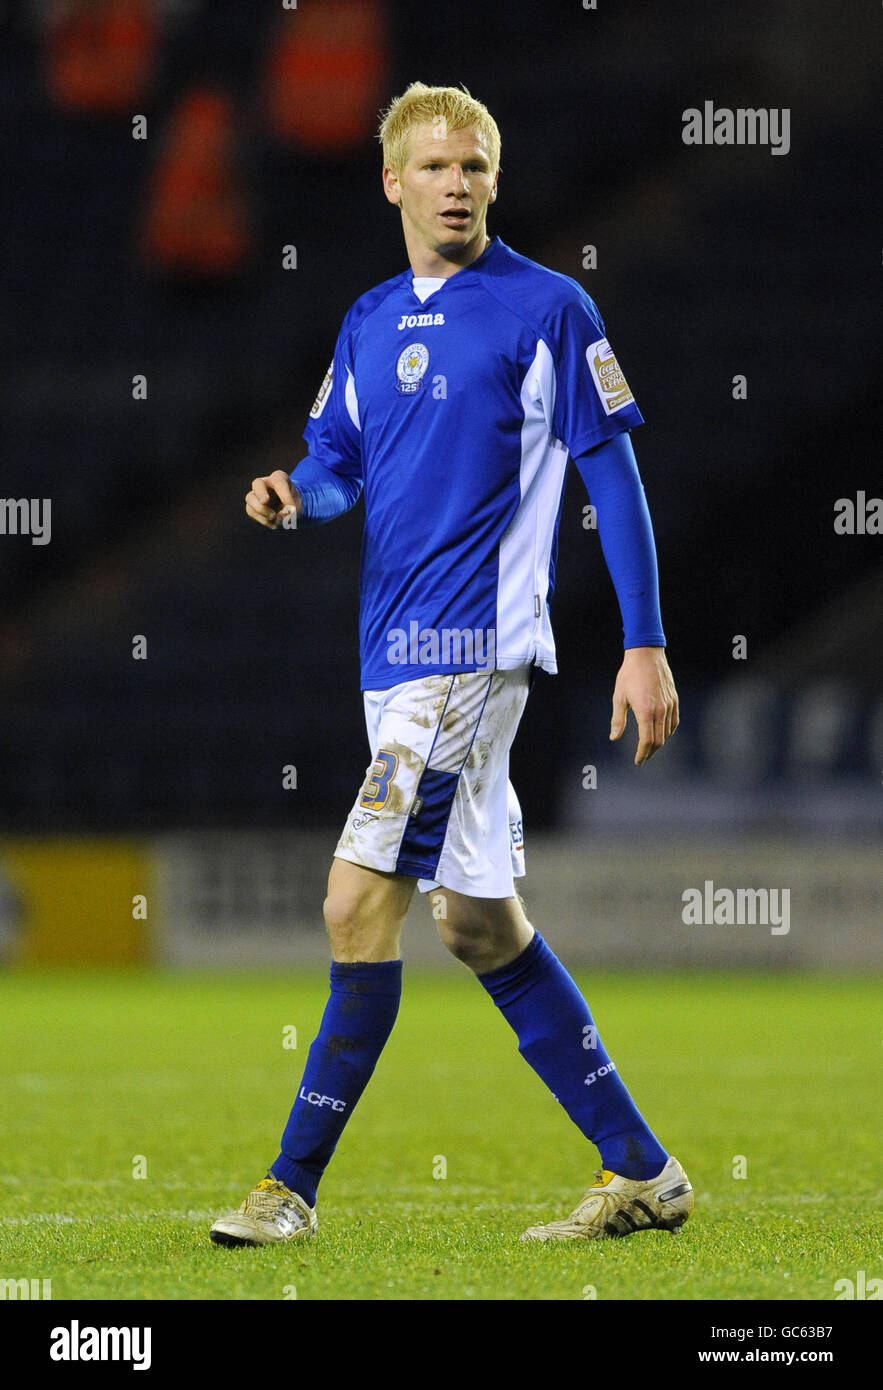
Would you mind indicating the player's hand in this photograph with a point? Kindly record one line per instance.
(646, 686)
(272, 499)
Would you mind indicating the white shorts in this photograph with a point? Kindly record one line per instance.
(436, 802)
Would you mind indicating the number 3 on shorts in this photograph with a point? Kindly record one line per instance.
(376, 792)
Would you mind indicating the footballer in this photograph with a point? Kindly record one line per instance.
(457, 392)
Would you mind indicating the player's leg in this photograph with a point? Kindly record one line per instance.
(364, 910)
(482, 922)
(554, 1026)
(420, 732)
(641, 1186)
(483, 933)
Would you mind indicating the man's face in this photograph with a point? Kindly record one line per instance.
(444, 189)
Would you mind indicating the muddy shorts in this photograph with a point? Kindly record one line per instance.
(436, 802)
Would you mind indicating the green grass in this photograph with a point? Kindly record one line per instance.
(189, 1071)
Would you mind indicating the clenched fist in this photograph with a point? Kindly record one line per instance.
(272, 499)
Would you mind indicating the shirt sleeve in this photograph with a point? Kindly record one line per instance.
(593, 401)
(610, 473)
(333, 433)
(324, 493)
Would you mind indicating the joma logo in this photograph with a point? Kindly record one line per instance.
(420, 321)
(602, 1071)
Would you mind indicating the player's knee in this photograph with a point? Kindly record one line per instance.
(477, 943)
(485, 943)
(467, 944)
(344, 921)
(357, 930)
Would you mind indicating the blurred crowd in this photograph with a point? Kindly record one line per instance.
(193, 203)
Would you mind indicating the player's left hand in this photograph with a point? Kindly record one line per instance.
(646, 686)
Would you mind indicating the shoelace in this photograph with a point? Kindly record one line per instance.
(261, 1200)
(273, 1185)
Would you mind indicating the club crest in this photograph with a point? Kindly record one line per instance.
(411, 368)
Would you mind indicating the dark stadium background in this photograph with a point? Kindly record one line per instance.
(711, 262)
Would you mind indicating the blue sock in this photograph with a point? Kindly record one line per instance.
(357, 1021)
(551, 1020)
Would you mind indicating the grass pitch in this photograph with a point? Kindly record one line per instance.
(186, 1077)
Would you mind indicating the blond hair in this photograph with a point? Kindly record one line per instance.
(448, 108)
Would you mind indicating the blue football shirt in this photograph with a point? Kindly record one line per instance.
(456, 415)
